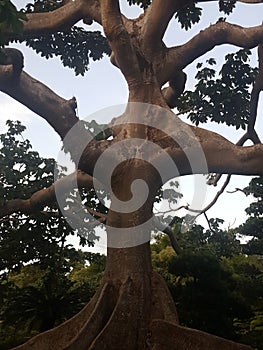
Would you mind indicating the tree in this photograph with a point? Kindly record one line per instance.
(136, 152)
(37, 291)
(37, 299)
(232, 307)
(254, 225)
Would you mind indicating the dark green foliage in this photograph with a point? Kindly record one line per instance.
(43, 6)
(39, 236)
(74, 47)
(23, 171)
(9, 20)
(36, 299)
(253, 227)
(206, 294)
(142, 3)
(227, 6)
(222, 99)
(189, 15)
(255, 188)
(216, 288)
(169, 194)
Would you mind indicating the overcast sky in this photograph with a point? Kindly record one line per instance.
(104, 86)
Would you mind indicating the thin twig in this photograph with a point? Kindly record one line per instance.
(209, 206)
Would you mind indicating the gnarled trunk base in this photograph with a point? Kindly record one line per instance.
(134, 314)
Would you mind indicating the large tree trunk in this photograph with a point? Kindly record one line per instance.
(133, 308)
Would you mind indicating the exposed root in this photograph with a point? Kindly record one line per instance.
(96, 321)
(128, 311)
(162, 303)
(166, 336)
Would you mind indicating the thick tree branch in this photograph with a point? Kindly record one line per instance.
(45, 196)
(61, 18)
(221, 156)
(175, 89)
(217, 34)
(224, 157)
(119, 39)
(58, 112)
(159, 14)
(157, 18)
(14, 57)
(101, 217)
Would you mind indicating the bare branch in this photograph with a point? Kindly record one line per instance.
(45, 196)
(217, 34)
(102, 217)
(58, 112)
(237, 190)
(212, 203)
(208, 223)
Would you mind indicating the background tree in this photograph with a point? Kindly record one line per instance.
(215, 286)
(131, 293)
(44, 280)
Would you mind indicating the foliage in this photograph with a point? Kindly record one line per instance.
(10, 19)
(227, 6)
(43, 6)
(224, 98)
(22, 173)
(37, 299)
(44, 280)
(142, 3)
(216, 288)
(74, 47)
(253, 227)
(189, 15)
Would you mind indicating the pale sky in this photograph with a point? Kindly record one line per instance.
(104, 86)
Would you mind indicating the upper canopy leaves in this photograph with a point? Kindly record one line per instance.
(227, 6)
(74, 47)
(223, 99)
(141, 3)
(9, 19)
(189, 15)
